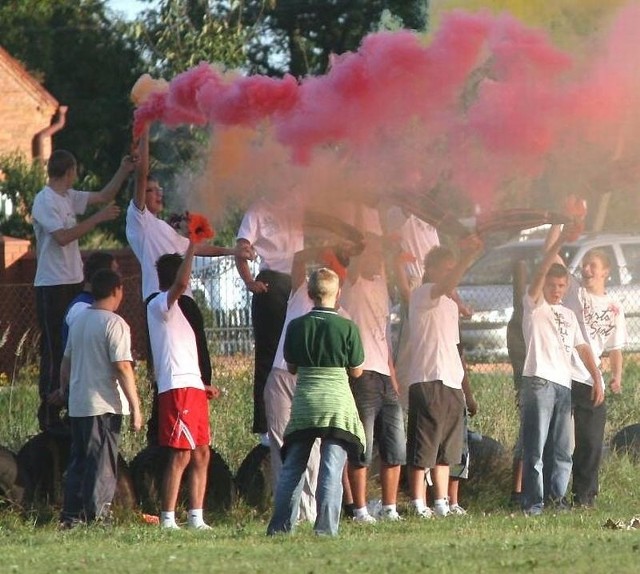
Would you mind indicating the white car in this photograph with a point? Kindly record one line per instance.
(487, 288)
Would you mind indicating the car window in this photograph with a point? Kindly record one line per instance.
(631, 252)
(496, 267)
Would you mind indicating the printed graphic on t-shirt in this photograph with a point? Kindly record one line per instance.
(562, 326)
(600, 322)
(270, 225)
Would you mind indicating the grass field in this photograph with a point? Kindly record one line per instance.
(491, 538)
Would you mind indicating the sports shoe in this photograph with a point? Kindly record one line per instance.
(201, 526)
(457, 510)
(169, 526)
(441, 510)
(365, 519)
(425, 512)
(389, 514)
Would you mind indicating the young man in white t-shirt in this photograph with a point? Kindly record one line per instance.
(436, 400)
(97, 371)
(601, 319)
(150, 237)
(551, 334)
(183, 409)
(59, 264)
(274, 231)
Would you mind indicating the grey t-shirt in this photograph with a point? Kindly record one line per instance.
(97, 339)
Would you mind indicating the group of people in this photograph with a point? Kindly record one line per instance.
(327, 382)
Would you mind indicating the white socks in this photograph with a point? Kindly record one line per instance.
(168, 519)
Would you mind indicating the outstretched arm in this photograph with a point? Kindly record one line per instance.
(65, 236)
(142, 171)
(181, 282)
(550, 257)
(470, 248)
(108, 193)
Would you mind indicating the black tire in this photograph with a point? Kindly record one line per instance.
(147, 469)
(627, 441)
(11, 491)
(488, 459)
(42, 461)
(253, 479)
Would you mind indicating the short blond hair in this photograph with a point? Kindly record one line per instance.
(323, 283)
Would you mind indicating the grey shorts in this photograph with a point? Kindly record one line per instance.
(435, 427)
(382, 417)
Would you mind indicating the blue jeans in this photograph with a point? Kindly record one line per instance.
(382, 417)
(333, 456)
(545, 409)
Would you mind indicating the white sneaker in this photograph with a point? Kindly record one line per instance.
(200, 526)
(425, 512)
(457, 510)
(365, 519)
(374, 507)
(441, 510)
(169, 526)
(388, 514)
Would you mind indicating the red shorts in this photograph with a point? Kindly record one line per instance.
(183, 418)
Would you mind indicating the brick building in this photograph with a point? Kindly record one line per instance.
(26, 111)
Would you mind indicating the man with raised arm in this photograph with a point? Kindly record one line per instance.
(59, 276)
(551, 333)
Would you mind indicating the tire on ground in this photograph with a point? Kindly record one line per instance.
(11, 491)
(42, 462)
(253, 479)
(627, 441)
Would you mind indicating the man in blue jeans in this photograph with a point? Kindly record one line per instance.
(551, 332)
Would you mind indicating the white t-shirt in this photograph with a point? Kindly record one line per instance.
(367, 302)
(417, 237)
(150, 237)
(274, 232)
(551, 332)
(97, 338)
(57, 264)
(298, 305)
(173, 346)
(433, 339)
(601, 319)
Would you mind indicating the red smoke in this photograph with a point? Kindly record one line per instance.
(487, 100)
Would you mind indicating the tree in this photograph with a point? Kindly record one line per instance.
(298, 36)
(85, 58)
(19, 183)
(180, 34)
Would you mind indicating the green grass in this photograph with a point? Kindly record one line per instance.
(491, 538)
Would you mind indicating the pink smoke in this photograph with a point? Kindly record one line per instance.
(487, 101)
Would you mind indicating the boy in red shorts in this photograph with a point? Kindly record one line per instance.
(182, 395)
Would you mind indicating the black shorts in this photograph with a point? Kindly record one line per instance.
(435, 426)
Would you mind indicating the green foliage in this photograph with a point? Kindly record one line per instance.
(19, 183)
(298, 36)
(182, 33)
(87, 61)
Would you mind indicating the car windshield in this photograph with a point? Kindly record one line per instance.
(496, 266)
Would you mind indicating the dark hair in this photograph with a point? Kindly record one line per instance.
(557, 271)
(60, 162)
(104, 283)
(96, 261)
(436, 255)
(167, 267)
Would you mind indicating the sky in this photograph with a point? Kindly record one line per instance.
(130, 8)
